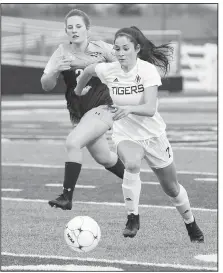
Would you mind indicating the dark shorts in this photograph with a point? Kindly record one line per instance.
(102, 112)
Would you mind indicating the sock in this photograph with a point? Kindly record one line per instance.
(71, 174)
(118, 169)
(182, 204)
(131, 188)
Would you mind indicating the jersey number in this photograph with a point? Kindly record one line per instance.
(168, 151)
(78, 72)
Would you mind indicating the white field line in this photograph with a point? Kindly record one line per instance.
(55, 267)
(63, 103)
(64, 115)
(191, 146)
(188, 99)
(206, 179)
(189, 134)
(36, 134)
(8, 113)
(33, 165)
(150, 183)
(77, 186)
(7, 189)
(24, 126)
(60, 140)
(199, 129)
(34, 103)
(113, 204)
(213, 258)
(33, 111)
(121, 262)
(35, 137)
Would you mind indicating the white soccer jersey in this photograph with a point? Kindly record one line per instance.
(100, 50)
(126, 88)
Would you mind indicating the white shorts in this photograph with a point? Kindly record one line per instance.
(158, 151)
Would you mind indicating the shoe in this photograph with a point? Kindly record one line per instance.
(194, 232)
(63, 201)
(132, 226)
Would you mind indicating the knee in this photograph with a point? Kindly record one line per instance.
(106, 160)
(132, 165)
(72, 143)
(102, 160)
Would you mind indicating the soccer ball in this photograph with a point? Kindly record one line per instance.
(82, 233)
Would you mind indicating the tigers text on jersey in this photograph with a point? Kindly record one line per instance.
(97, 51)
(127, 88)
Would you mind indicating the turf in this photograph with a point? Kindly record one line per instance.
(32, 232)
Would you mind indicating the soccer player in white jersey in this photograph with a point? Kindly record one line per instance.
(139, 130)
(69, 60)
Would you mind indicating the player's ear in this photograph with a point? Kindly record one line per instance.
(138, 47)
(65, 29)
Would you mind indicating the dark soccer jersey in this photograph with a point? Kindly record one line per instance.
(98, 93)
(79, 105)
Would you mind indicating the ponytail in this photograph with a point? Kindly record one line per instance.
(157, 55)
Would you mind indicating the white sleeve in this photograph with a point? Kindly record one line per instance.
(151, 76)
(53, 59)
(101, 70)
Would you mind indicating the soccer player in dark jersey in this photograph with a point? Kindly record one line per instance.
(139, 131)
(88, 112)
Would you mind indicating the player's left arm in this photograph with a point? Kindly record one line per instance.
(148, 108)
(94, 70)
(109, 52)
(83, 60)
(151, 81)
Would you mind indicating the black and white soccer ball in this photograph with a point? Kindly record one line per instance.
(82, 234)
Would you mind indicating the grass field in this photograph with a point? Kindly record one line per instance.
(33, 155)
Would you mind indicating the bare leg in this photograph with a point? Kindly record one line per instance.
(168, 179)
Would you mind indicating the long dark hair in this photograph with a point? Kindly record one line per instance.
(157, 55)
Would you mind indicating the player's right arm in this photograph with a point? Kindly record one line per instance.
(54, 67)
(94, 70)
(84, 78)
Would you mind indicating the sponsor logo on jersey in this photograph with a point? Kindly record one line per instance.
(94, 54)
(129, 90)
(137, 79)
(116, 80)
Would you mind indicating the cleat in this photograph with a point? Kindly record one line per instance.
(63, 201)
(132, 226)
(194, 232)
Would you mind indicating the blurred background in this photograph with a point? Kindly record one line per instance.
(31, 32)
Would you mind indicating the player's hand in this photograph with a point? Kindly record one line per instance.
(120, 112)
(63, 64)
(83, 92)
(77, 91)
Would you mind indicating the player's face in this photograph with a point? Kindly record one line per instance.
(125, 51)
(76, 29)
